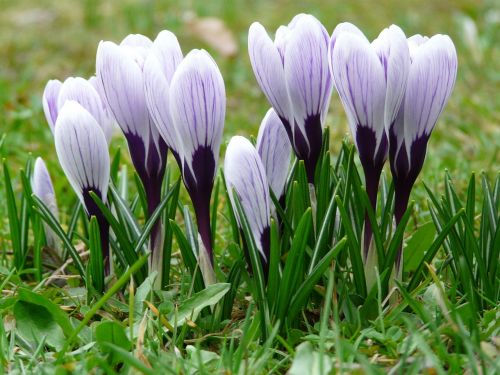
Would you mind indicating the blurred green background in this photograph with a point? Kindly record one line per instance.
(42, 39)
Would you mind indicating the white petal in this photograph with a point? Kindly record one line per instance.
(281, 39)
(168, 52)
(109, 124)
(307, 73)
(137, 46)
(82, 91)
(392, 49)
(416, 41)
(41, 185)
(275, 150)
(359, 80)
(267, 65)
(431, 79)
(345, 27)
(198, 103)
(82, 150)
(159, 68)
(49, 101)
(245, 174)
(123, 85)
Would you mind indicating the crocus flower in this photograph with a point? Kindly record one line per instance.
(83, 154)
(275, 151)
(82, 91)
(41, 185)
(370, 79)
(293, 73)
(198, 106)
(246, 176)
(120, 69)
(431, 78)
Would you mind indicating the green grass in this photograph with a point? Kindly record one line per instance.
(448, 322)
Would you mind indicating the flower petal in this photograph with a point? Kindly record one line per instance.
(244, 172)
(122, 81)
(109, 123)
(49, 101)
(82, 91)
(392, 49)
(267, 65)
(82, 150)
(41, 185)
(344, 27)
(275, 151)
(159, 68)
(198, 104)
(359, 79)
(307, 74)
(430, 82)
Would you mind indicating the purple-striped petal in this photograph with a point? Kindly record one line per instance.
(360, 81)
(49, 101)
(275, 151)
(84, 93)
(42, 187)
(109, 124)
(82, 150)
(307, 75)
(245, 173)
(392, 49)
(430, 83)
(122, 82)
(159, 68)
(198, 105)
(344, 27)
(267, 65)
(120, 70)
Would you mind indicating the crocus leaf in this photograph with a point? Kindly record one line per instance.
(191, 307)
(416, 246)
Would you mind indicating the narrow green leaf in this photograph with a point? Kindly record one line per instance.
(291, 275)
(191, 307)
(431, 252)
(51, 221)
(96, 264)
(304, 290)
(354, 250)
(14, 225)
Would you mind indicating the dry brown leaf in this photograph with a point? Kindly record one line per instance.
(214, 32)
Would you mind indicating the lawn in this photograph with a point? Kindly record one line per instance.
(442, 318)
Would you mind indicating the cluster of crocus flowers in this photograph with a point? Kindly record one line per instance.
(120, 70)
(293, 73)
(187, 101)
(393, 91)
(160, 100)
(82, 125)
